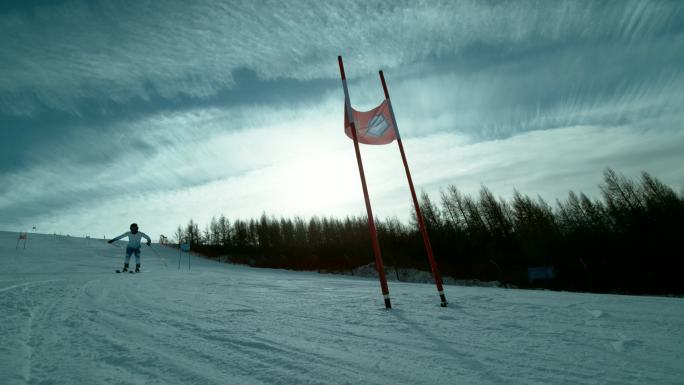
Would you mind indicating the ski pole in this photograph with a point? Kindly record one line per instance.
(160, 257)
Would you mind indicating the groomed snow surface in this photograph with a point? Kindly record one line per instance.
(67, 318)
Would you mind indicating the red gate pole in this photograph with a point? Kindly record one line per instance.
(371, 221)
(419, 215)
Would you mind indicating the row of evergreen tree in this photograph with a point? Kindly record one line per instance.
(629, 241)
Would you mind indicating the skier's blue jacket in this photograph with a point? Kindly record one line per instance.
(133, 239)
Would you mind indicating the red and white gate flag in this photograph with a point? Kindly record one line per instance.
(372, 127)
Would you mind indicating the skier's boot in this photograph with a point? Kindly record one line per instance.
(137, 268)
(125, 267)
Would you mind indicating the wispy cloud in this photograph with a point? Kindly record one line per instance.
(57, 56)
(175, 152)
(298, 162)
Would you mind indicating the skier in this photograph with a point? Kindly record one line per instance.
(134, 237)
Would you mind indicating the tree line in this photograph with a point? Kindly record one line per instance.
(628, 241)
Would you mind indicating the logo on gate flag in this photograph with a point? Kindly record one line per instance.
(372, 127)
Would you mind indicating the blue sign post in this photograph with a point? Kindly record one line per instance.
(184, 247)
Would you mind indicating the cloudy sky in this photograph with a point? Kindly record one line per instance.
(160, 111)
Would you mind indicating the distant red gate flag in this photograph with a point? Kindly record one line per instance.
(372, 127)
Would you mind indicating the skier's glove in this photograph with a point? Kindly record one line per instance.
(110, 241)
(149, 243)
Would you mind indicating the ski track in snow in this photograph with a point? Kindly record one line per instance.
(66, 318)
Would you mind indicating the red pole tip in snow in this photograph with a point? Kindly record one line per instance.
(339, 61)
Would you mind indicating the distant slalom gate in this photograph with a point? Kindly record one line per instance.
(22, 237)
(376, 127)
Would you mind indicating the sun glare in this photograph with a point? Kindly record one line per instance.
(321, 184)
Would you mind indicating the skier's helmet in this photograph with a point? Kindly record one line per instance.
(134, 227)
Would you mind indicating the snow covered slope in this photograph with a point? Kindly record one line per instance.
(66, 318)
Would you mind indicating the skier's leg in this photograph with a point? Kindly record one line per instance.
(129, 252)
(137, 259)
